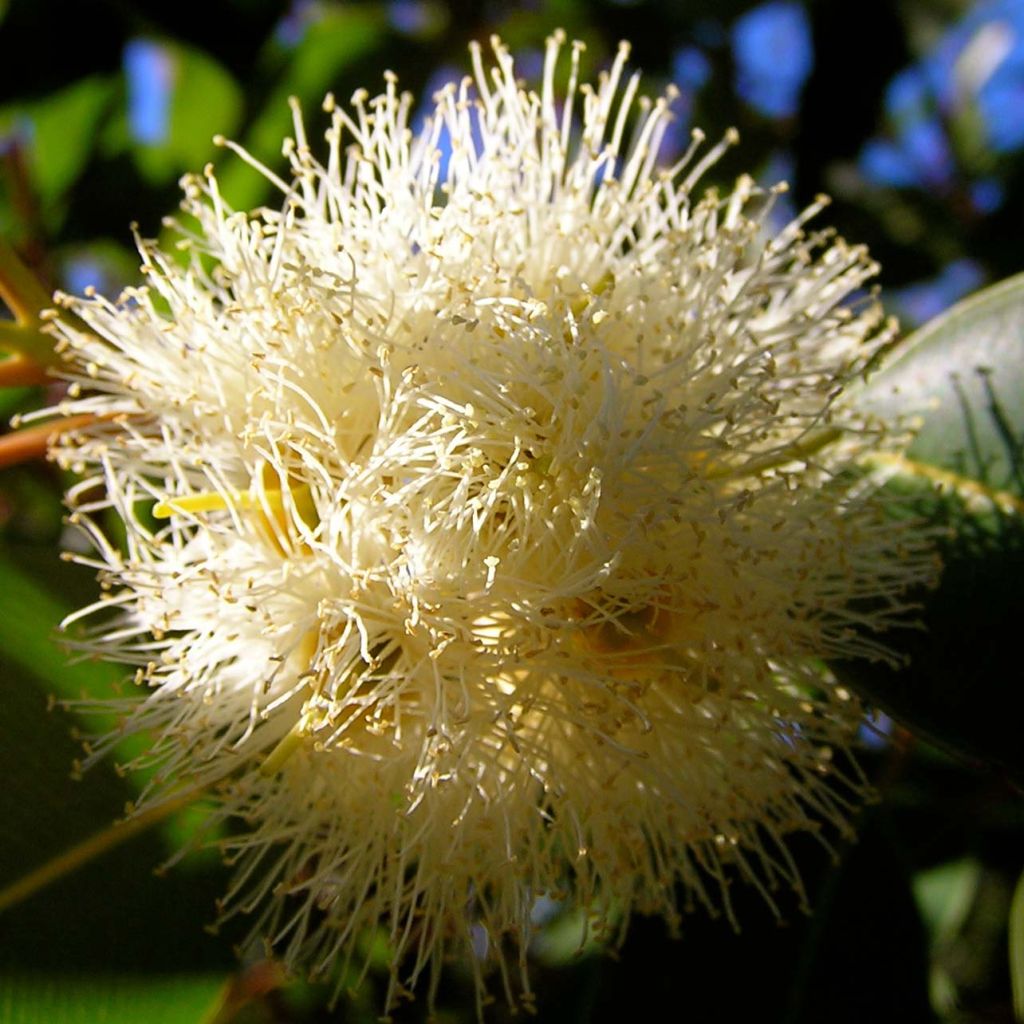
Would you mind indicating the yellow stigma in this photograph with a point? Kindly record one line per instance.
(265, 498)
(204, 501)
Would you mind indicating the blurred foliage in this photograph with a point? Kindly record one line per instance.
(910, 116)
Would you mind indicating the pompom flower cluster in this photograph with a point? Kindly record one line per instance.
(487, 521)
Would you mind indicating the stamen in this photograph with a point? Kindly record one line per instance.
(288, 745)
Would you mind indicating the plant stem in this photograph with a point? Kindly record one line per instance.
(32, 442)
(19, 370)
(19, 287)
(74, 858)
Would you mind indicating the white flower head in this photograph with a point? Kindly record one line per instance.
(504, 513)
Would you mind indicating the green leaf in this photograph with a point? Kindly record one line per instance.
(61, 131)
(13, 400)
(1016, 949)
(43, 810)
(112, 913)
(944, 895)
(100, 999)
(29, 617)
(568, 936)
(205, 101)
(963, 374)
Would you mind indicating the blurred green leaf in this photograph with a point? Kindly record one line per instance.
(105, 264)
(12, 400)
(944, 895)
(98, 999)
(29, 616)
(60, 131)
(43, 810)
(568, 936)
(29, 510)
(205, 101)
(963, 474)
(1016, 946)
(113, 914)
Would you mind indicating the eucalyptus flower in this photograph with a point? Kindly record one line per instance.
(488, 521)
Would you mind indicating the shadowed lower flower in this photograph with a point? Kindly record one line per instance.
(486, 533)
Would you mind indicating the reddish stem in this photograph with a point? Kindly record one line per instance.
(32, 442)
